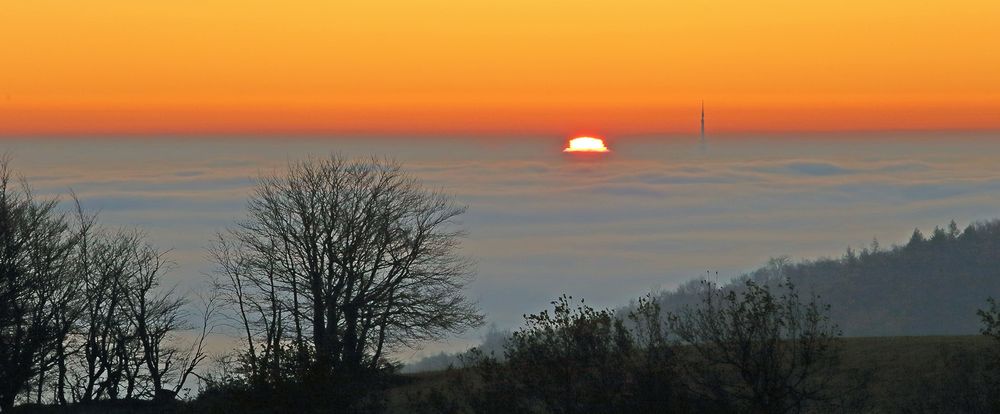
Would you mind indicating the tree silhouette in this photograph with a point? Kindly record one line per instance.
(36, 282)
(82, 309)
(339, 261)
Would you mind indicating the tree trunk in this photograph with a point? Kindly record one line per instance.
(41, 383)
(60, 396)
(320, 341)
(352, 358)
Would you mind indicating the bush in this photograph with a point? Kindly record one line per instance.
(760, 351)
(572, 360)
(230, 390)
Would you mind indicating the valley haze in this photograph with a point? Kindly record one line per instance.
(654, 213)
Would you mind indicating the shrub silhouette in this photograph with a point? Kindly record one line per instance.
(760, 350)
(575, 359)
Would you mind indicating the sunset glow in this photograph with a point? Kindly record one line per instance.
(586, 144)
(431, 66)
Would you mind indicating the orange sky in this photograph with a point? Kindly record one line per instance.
(533, 66)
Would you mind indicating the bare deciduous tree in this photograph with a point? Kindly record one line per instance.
(35, 261)
(344, 260)
(82, 310)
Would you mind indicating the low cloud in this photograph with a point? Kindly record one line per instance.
(541, 224)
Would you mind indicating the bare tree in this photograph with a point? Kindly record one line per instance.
(104, 264)
(197, 352)
(345, 260)
(35, 257)
(82, 309)
(156, 315)
(259, 314)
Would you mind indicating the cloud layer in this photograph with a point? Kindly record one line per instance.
(542, 223)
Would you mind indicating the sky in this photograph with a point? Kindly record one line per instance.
(651, 214)
(518, 67)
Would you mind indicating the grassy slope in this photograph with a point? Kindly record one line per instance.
(909, 372)
(915, 371)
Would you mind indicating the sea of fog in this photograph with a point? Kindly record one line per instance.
(653, 213)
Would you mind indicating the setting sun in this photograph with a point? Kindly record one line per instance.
(586, 144)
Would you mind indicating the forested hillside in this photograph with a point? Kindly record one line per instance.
(932, 285)
(928, 286)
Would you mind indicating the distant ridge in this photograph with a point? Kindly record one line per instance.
(929, 286)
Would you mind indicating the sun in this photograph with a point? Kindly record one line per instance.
(586, 144)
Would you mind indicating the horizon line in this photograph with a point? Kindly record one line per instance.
(512, 134)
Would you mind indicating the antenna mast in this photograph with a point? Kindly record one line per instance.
(702, 141)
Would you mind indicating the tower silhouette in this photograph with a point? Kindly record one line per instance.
(701, 142)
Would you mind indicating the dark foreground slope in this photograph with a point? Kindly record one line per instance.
(930, 374)
(929, 286)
